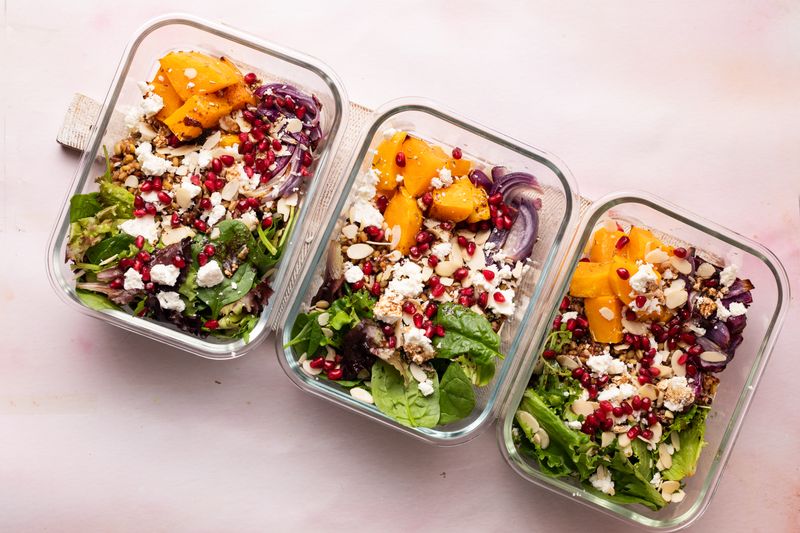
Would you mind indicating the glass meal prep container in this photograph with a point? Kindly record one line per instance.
(139, 63)
(737, 383)
(558, 214)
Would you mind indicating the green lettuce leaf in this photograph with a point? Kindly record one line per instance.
(348, 310)
(479, 374)
(96, 301)
(684, 461)
(456, 396)
(630, 485)
(118, 196)
(233, 237)
(89, 231)
(307, 335)
(84, 205)
(109, 247)
(403, 401)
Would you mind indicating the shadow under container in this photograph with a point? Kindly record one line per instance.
(558, 217)
(737, 382)
(140, 63)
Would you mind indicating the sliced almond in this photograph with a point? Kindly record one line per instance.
(665, 371)
(676, 440)
(668, 487)
(623, 439)
(607, 313)
(183, 197)
(635, 327)
(606, 438)
(418, 373)
(583, 407)
(674, 298)
(681, 265)
(677, 368)
(427, 272)
(330, 353)
(396, 234)
(478, 259)
(212, 140)
(311, 371)
(482, 237)
(656, 256)
(173, 235)
(230, 190)
(657, 430)
(544, 438)
(706, 270)
(359, 251)
(131, 182)
(527, 419)
(648, 390)
(567, 362)
(455, 252)
(678, 284)
(713, 357)
(361, 394)
(627, 451)
(446, 268)
(447, 282)
(323, 319)
(664, 456)
(350, 231)
(328, 332)
(678, 496)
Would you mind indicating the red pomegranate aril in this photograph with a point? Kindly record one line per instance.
(367, 268)
(496, 199)
(200, 226)
(150, 209)
(266, 222)
(157, 183)
(606, 424)
(358, 285)
(139, 241)
(695, 350)
(211, 324)
(149, 286)
(636, 403)
(179, 261)
(498, 222)
(457, 153)
(328, 365)
(499, 297)
(507, 222)
(557, 322)
(211, 184)
(202, 259)
(409, 308)
(250, 78)
(382, 203)
(591, 420)
(617, 411)
(433, 261)
(147, 186)
(564, 304)
(116, 283)
(335, 374)
(578, 332)
(483, 299)
(682, 359)
(647, 434)
(249, 160)
(623, 273)
(655, 329)
(375, 290)
(430, 310)
(307, 159)
(586, 380)
(143, 256)
(710, 283)
(654, 371)
(630, 315)
(672, 344)
(622, 242)
(578, 372)
(549, 354)
(125, 263)
(440, 331)
(400, 159)
(586, 429)
(173, 141)
(471, 247)
(633, 432)
(249, 171)
(164, 198)
(422, 237)
(602, 380)
(646, 403)
(438, 291)
(460, 274)
(205, 204)
(289, 102)
(606, 406)
(391, 341)
(492, 211)
(418, 319)
(248, 116)
(652, 419)
(643, 380)
(414, 252)
(139, 213)
(691, 370)
(300, 112)
(216, 164)
(626, 408)
(582, 322)
(465, 300)
(680, 252)
(210, 250)
(433, 281)
(145, 273)
(462, 241)
(276, 145)
(258, 135)
(429, 331)
(641, 301)
(138, 202)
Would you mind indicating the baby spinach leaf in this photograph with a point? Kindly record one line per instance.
(479, 374)
(466, 333)
(96, 301)
(109, 247)
(84, 205)
(229, 290)
(456, 396)
(404, 402)
(307, 335)
(630, 485)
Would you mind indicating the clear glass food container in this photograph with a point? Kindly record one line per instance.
(737, 382)
(139, 63)
(558, 217)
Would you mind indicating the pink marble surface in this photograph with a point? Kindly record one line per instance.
(105, 431)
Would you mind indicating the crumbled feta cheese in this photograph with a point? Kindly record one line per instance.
(353, 273)
(643, 277)
(151, 164)
(249, 219)
(389, 308)
(209, 274)
(574, 424)
(204, 158)
(165, 274)
(146, 226)
(216, 214)
(737, 309)
(722, 312)
(728, 275)
(407, 280)
(601, 480)
(216, 198)
(171, 300)
(426, 387)
(651, 306)
(445, 176)
(133, 116)
(605, 363)
(436, 183)
(417, 345)
(617, 393)
(145, 87)
(133, 280)
(479, 280)
(365, 214)
(191, 188)
(697, 330)
(442, 249)
(569, 315)
(677, 393)
(152, 105)
(656, 481)
(506, 307)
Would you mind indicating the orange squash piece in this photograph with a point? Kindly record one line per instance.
(193, 73)
(454, 203)
(480, 205)
(384, 162)
(422, 165)
(229, 139)
(404, 213)
(239, 96)
(457, 167)
(197, 113)
(590, 280)
(163, 88)
(604, 245)
(641, 243)
(597, 310)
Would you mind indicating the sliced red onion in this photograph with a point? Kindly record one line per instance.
(480, 179)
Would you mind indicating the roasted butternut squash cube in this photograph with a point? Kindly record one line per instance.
(622, 287)
(404, 214)
(422, 165)
(454, 203)
(197, 113)
(229, 139)
(238, 96)
(385, 162)
(590, 280)
(193, 73)
(163, 88)
(480, 205)
(605, 318)
(604, 245)
(641, 243)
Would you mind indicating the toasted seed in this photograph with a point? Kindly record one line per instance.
(361, 394)
(359, 251)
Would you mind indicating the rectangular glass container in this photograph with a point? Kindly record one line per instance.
(737, 382)
(139, 63)
(558, 217)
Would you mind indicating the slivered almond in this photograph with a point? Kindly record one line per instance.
(359, 251)
(446, 268)
(675, 298)
(583, 407)
(677, 368)
(656, 256)
(623, 439)
(664, 456)
(676, 440)
(666, 371)
(350, 231)
(417, 372)
(637, 328)
(678, 496)
(324, 318)
(396, 234)
(361, 394)
(713, 357)
(447, 282)
(668, 487)
(544, 438)
(482, 237)
(478, 259)
(648, 390)
(311, 371)
(606, 438)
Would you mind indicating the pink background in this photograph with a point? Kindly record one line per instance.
(102, 430)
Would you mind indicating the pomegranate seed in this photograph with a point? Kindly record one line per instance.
(249, 159)
(139, 242)
(276, 145)
(440, 332)
(630, 315)
(211, 185)
(211, 324)
(582, 322)
(266, 223)
(138, 202)
(577, 372)
(606, 424)
(147, 186)
(210, 250)
(367, 268)
(422, 237)
(205, 204)
(202, 259)
(641, 301)
(578, 332)
(564, 304)
(586, 380)
(427, 199)
(647, 434)
(382, 203)
(557, 322)
(507, 222)
(691, 370)
(216, 164)
(570, 324)
(680, 252)
(636, 403)
(430, 310)
(438, 291)
(682, 359)
(139, 213)
(710, 283)
(471, 248)
(149, 208)
(643, 380)
(414, 252)
(125, 263)
(250, 78)
(392, 341)
(654, 371)
(409, 308)
(179, 261)
(462, 241)
(116, 283)
(652, 419)
(483, 299)
(433, 281)
(143, 256)
(336, 374)
(606, 406)
(429, 331)
(164, 198)
(375, 290)
(617, 411)
(400, 159)
(586, 429)
(633, 432)
(623, 273)
(646, 404)
(300, 112)
(498, 297)
(498, 222)
(358, 285)
(328, 365)
(418, 319)
(695, 350)
(433, 261)
(672, 344)
(465, 300)
(307, 159)
(248, 116)
(173, 141)
(460, 274)
(496, 199)
(549, 354)
(457, 153)
(622, 242)
(157, 184)
(253, 202)
(591, 420)
(626, 408)
(602, 380)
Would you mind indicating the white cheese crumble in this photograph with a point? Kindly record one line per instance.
(728, 275)
(601, 480)
(442, 249)
(398, 178)
(737, 309)
(152, 105)
(426, 387)
(353, 273)
(249, 219)
(505, 307)
(677, 393)
(574, 424)
(445, 176)
(146, 226)
(171, 300)
(643, 276)
(415, 342)
(209, 274)
(569, 315)
(407, 280)
(204, 158)
(616, 394)
(722, 312)
(165, 274)
(365, 214)
(605, 364)
(151, 164)
(133, 280)
(436, 183)
(216, 214)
